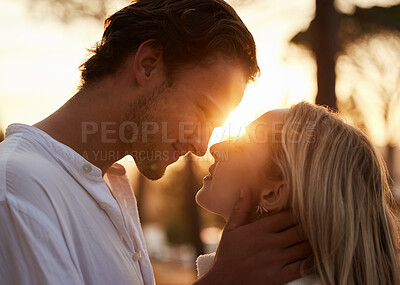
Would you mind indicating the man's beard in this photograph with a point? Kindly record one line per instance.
(147, 109)
(149, 163)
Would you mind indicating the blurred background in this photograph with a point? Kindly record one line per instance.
(344, 54)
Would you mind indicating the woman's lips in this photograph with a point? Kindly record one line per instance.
(210, 175)
(207, 178)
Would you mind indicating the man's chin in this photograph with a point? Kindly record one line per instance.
(152, 171)
(152, 174)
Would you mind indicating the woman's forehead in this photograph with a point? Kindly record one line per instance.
(273, 116)
(263, 129)
(266, 129)
(268, 123)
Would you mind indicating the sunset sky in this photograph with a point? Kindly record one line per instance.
(39, 59)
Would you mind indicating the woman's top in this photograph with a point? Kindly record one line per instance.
(205, 262)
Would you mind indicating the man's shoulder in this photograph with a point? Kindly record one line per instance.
(22, 164)
(23, 155)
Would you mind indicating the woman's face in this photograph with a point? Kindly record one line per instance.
(240, 163)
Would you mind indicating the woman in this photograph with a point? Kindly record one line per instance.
(328, 173)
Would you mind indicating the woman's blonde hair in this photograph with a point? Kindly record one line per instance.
(341, 196)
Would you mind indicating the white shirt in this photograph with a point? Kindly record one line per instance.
(59, 222)
(205, 262)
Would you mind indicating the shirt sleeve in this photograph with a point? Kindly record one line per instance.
(32, 251)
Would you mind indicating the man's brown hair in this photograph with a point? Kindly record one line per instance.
(187, 31)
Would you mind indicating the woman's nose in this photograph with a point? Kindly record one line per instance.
(217, 150)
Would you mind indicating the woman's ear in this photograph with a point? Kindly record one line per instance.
(148, 59)
(274, 197)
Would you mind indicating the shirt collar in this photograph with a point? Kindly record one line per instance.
(65, 153)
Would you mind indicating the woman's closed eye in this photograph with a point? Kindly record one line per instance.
(237, 146)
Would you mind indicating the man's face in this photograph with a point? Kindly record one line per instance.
(180, 118)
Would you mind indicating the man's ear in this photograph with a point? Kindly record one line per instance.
(274, 197)
(148, 61)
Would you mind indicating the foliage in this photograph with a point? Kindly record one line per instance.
(352, 27)
(178, 196)
(71, 10)
(367, 65)
(370, 70)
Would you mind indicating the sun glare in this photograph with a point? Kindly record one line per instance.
(49, 66)
(280, 85)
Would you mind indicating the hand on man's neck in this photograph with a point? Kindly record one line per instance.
(74, 124)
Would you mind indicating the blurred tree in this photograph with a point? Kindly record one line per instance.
(354, 114)
(140, 193)
(180, 211)
(330, 32)
(69, 10)
(358, 27)
(236, 3)
(172, 214)
(192, 186)
(324, 45)
(370, 70)
(362, 22)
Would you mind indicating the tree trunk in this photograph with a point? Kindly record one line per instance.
(139, 193)
(325, 45)
(191, 207)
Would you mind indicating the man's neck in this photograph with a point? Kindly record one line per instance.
(81, 122)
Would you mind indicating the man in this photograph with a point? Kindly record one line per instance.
(162, 73)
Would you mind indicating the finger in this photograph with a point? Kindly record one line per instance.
(240, 211)
(291, 272)
(275, 223)
(297, 252)
(292, 236)
(308, 266)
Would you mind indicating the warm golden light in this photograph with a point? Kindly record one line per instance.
(40, 59)
(280, 85)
